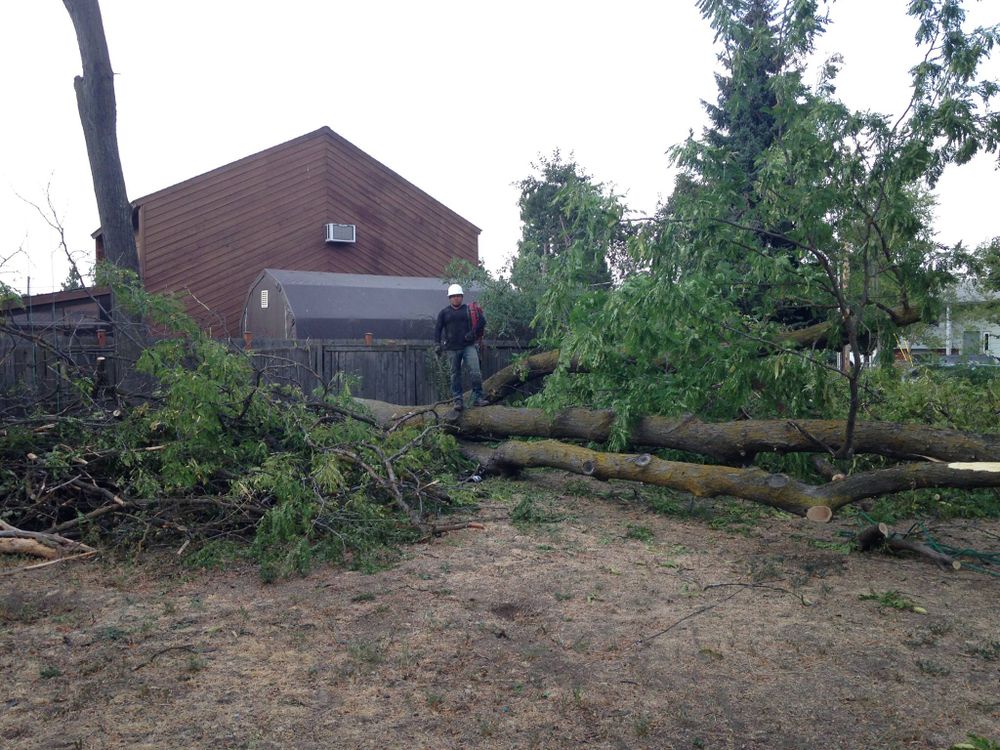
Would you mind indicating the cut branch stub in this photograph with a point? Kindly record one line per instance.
(819, 514)
(777, 481)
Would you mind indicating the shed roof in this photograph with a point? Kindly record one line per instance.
(970, 291)
(322, 303)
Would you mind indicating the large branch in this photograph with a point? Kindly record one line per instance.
(729, 442)
(829, 335)
(775, 490)
(14, 541)
(535, 366)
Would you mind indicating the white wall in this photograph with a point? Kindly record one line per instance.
(937, 337)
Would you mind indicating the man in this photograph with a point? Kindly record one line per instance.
(460, 336)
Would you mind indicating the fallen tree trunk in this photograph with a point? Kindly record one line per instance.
(776, 490)
(729, 442)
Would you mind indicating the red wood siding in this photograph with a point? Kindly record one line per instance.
(212, 235)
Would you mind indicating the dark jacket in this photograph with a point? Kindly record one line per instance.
(456, 323)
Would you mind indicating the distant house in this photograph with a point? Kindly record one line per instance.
(315, 203)
(969, 326)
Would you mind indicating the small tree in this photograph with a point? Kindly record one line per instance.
(73, 280)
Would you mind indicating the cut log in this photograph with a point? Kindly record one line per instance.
(735, 443)
(28, 547)
(38, 544)
(825, 469)
(747, 483)
(819, 514)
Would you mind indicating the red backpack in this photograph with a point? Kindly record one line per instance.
(475, 315)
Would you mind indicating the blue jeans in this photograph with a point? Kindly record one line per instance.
(471, 357)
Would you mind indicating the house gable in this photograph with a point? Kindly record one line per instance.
(212, 235)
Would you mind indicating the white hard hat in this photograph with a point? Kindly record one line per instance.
(455, 289)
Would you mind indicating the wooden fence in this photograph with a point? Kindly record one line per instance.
(51, 369)
(400, 372)
(48, 369)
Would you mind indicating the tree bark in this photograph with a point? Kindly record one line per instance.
(50, 546)
(728, 442)
(95, 96)
(776, 490)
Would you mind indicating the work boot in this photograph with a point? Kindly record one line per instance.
(481, 402)
(459, 405)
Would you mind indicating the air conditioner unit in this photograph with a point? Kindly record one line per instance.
(340, 233)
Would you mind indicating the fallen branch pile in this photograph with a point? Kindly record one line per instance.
(326, 475)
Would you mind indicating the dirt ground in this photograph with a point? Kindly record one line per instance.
(609, 626)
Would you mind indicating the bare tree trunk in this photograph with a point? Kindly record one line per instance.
(95, 97)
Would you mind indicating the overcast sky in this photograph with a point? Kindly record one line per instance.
(457, 97)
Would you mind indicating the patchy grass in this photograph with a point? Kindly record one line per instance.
(892, 600)
(216, 554)
(989, 651)
(586, 633)
(366, 651)
(532, 512)
(639, 533)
